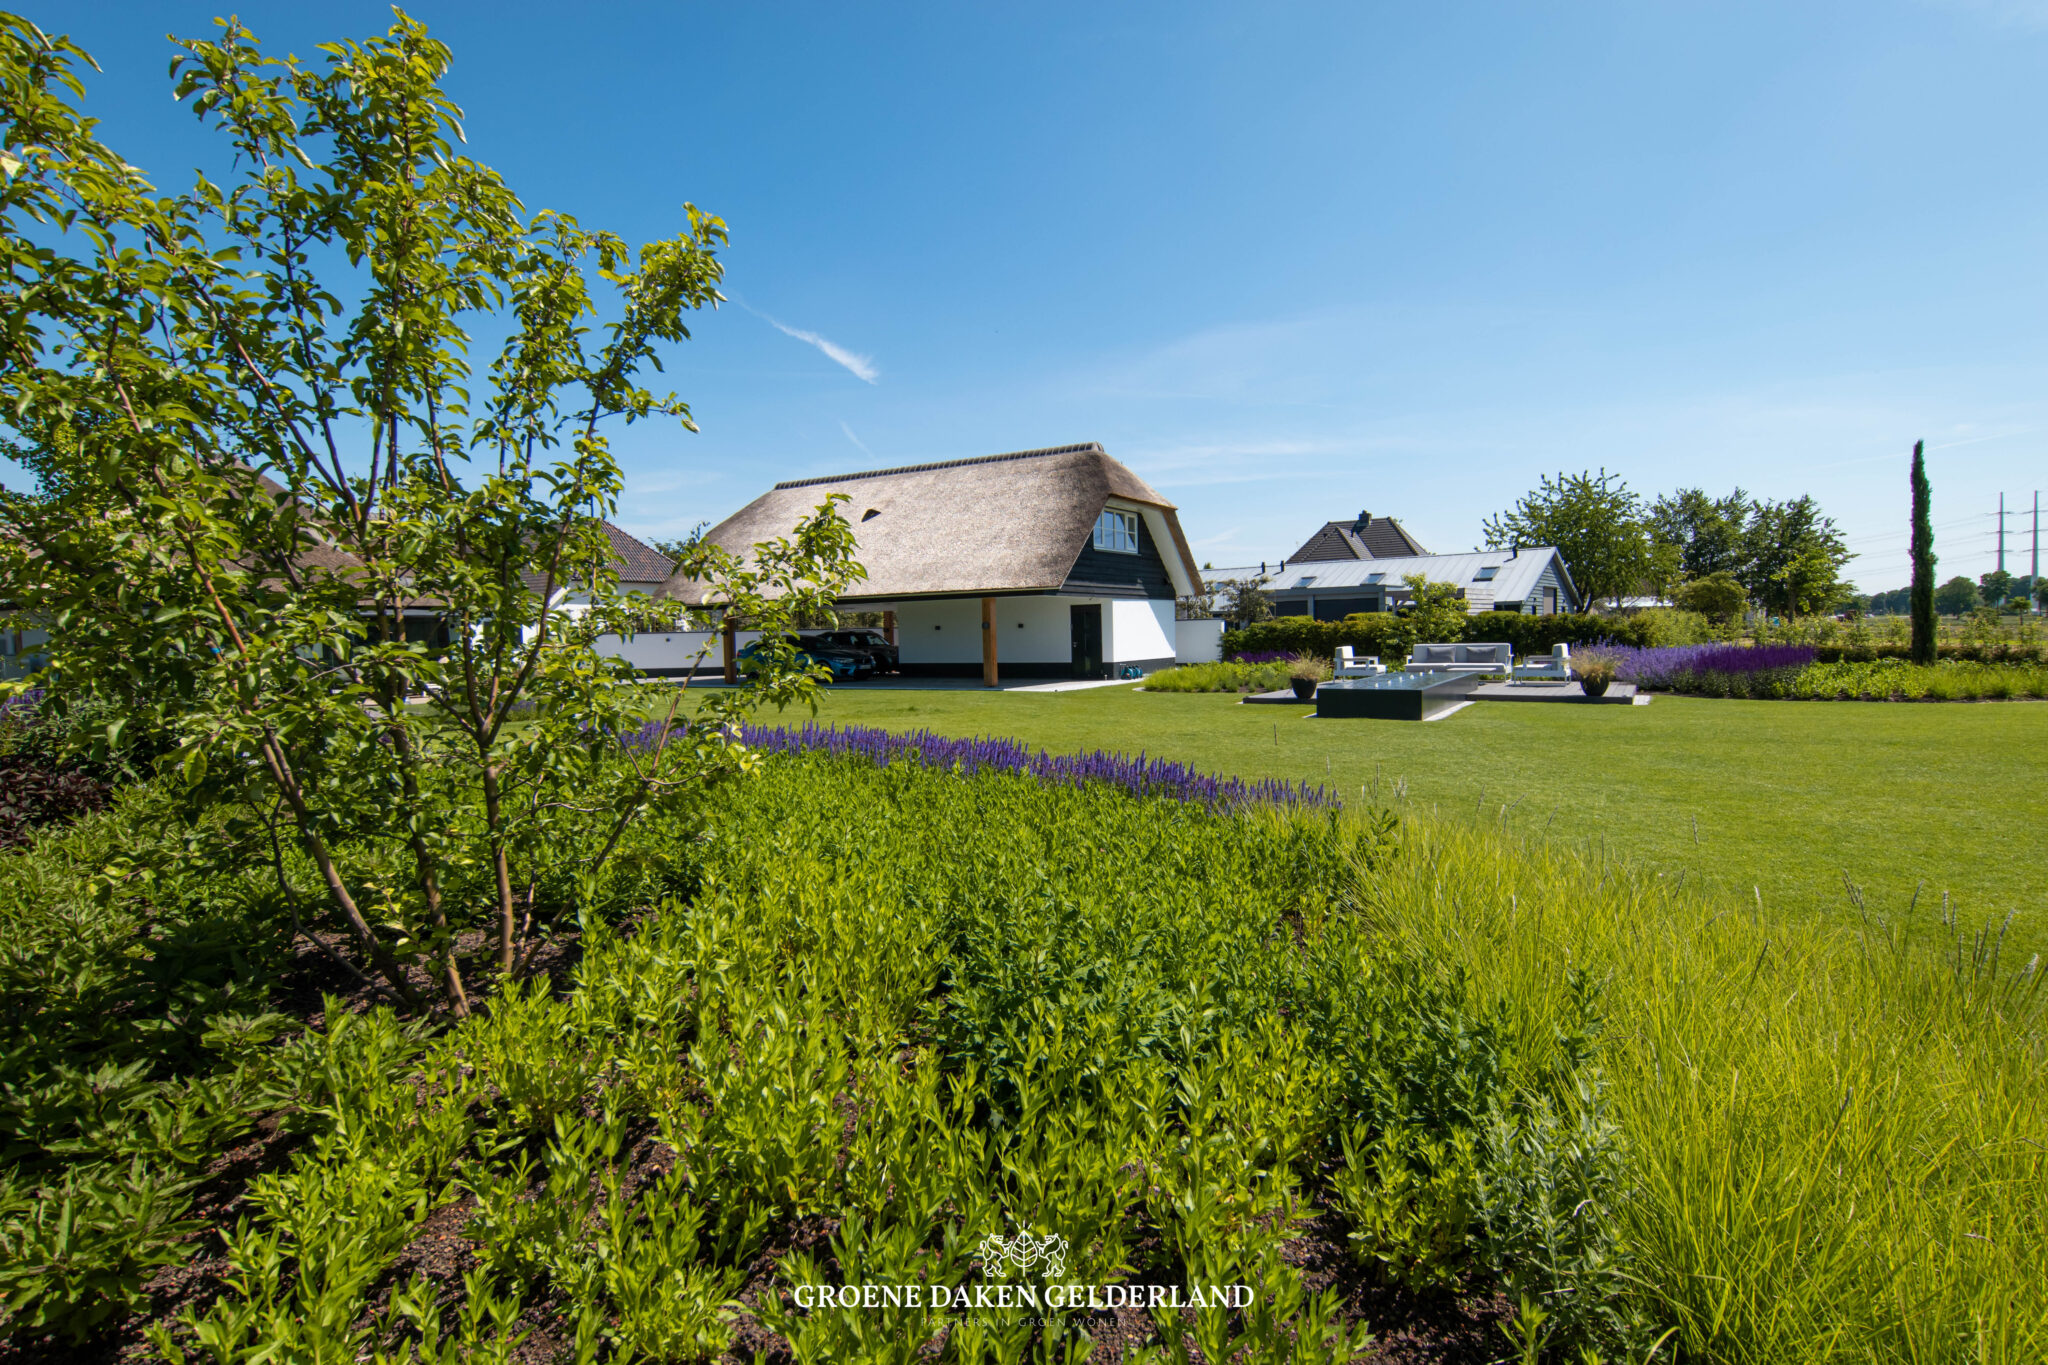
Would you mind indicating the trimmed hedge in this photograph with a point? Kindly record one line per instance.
(2002, 652)
(1391, 636)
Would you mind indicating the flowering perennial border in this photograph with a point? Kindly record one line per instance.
(1659, 667)
(1139, 776)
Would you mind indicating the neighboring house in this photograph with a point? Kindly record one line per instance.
(21, 652)
(640, 567)
(1057, 563)
(1366, 537)
(1531, 580)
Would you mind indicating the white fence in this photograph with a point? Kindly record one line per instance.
(1197, 642)
(674, 653)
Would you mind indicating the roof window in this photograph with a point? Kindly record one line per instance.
(1486, 574)
(1117, 532)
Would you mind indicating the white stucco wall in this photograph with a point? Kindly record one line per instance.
(1137, 630)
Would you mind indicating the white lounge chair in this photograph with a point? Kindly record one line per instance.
(1554, 667)
(1357, 666)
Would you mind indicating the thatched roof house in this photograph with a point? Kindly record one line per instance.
(1072, 560)
(1020, 522)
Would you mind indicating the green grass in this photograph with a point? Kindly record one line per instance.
(1778, 799)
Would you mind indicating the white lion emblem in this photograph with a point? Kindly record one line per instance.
(1045, 1255)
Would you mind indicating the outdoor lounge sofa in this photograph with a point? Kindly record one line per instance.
(1357, 666)
(1462, 658)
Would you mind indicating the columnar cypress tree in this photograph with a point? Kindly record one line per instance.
(1923, 562)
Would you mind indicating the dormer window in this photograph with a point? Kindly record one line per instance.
(1117, 532)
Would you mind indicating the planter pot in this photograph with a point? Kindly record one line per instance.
(1595, 687)
(1304, 688)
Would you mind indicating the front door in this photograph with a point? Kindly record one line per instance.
(1087, 641)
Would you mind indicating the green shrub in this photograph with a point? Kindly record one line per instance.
(1673, 626)
(134, 1027)
(924, 1008)
(913, 1008)
(2007, 651)
(1219, 677)
(1390, 636)
(1883, 680)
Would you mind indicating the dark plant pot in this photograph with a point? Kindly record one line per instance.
(1304, 688)
(1595, 687)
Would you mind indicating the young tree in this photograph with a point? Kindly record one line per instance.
(1595, 522)
(1244, 600)
(680, 550)
(1434, 613)
(300, 517)
(1718, 596)
(1795, 557)
(1995, 586)
(1923, 559)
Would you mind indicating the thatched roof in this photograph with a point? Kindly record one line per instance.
(997, 524)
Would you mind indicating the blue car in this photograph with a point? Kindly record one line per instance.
(846, 665)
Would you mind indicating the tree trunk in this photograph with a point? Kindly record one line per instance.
(508, 925)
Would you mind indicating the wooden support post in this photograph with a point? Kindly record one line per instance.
(732, 662)
(988, 642)
(889, 626)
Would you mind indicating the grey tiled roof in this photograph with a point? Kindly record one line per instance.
(1372, 538)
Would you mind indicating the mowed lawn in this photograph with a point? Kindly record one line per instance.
(1788, 798)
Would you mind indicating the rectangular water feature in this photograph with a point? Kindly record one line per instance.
(1396, 696)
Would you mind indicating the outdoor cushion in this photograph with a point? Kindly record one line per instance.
(1435, 654)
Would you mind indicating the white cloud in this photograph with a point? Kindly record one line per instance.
(862, 367)
(855, 439)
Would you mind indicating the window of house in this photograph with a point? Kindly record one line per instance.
(1117, 531)
(1486, 574)
(1375, 578)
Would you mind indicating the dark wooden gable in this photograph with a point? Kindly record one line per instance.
(1111, 573)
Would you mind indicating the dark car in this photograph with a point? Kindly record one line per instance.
(846, 665)
(870, 642)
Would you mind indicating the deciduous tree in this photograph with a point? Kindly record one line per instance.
(1956, 597)
(1595, 522)
(324, 444)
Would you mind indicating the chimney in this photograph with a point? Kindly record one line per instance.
(1364, 519)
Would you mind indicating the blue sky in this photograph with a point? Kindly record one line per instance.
(1291, 261)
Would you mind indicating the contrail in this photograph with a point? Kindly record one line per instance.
(862, 367)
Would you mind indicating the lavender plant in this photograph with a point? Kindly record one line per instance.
(1136, 775)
